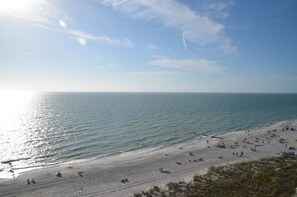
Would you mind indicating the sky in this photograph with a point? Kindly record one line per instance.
(148, 45)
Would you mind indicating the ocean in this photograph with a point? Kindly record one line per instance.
(43, 129)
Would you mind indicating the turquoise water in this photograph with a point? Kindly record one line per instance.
(48, 128)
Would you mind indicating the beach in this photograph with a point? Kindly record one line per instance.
(117, 98)
(124, 176)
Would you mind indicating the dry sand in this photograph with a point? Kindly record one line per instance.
(103, 177)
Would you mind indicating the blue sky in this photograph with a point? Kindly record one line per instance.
(148, 46)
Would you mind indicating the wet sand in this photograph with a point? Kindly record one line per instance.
(127, 175)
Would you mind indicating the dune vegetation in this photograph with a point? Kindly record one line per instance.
(273, 176)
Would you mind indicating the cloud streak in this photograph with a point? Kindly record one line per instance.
(184, 42)
(151, 74)
(109, 66)
(218, 6)
(203, 66)
(100, 39)
(172, 14)
(152, 47)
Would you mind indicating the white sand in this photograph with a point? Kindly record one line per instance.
(103, 177)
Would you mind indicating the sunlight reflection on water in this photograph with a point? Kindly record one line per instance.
(42, 129)
(14, 115)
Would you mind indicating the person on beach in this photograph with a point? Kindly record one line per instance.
(124, 180)
(81, 173)
(59, 175)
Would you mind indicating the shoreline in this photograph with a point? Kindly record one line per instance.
(103, 177)
(198, 143)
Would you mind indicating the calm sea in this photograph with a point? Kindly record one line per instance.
(42, 129)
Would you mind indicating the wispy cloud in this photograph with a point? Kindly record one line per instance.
(44, 14)
(184, 42)
(152, 46)
(218, 6)
(217, 9)
(107, 66)
(151, 74)
(100, 39)
(193, 26)
(192, 65)
(27, 53)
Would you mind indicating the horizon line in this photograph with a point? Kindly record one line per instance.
(176, 92)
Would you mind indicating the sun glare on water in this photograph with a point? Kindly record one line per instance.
(12, 105)
(14, 114)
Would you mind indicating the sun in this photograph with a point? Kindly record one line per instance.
(15, 5)
(19, 8)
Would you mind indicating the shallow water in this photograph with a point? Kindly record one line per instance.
(40, 129)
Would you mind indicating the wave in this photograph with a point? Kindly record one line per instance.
(14, 160)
